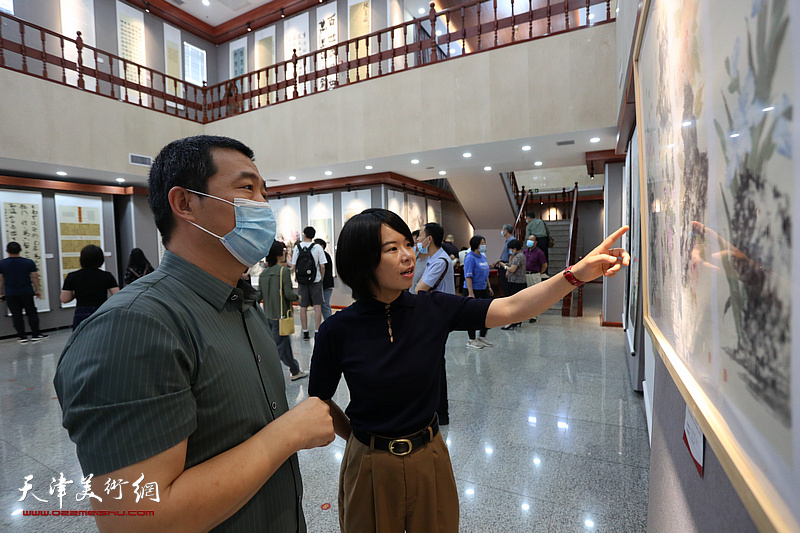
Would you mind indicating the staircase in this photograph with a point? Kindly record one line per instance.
(557, 255)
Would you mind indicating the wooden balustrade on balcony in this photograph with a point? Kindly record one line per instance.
(39, 52)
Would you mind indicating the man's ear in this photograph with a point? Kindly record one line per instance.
(182, 203)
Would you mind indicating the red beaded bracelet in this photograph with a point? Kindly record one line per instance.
(569, 276)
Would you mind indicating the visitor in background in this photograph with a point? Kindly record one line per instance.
(89, 285)
(138, 266)
(327, 282)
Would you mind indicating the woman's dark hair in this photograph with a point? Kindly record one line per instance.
(186, 163)
(515, 244)
(475, 242)
(92, 257)
(274, 252)
(138, 262)
(321, 242)
(358, 251)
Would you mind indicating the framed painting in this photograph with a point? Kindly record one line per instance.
(716, 89)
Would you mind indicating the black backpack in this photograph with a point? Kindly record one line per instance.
(304, 266)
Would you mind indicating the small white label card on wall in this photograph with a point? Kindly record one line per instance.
(693, 437)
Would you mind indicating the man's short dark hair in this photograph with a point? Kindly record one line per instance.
(435, 232)
(309, 232)
(359, 249)
(92, 256)
(184, 163)
(274, 252)
(13, 248)
(475, 242)
(530, 214)
(321, 242)
(514, 244)
(415, 233)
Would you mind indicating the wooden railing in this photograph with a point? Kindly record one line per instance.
(571, 257)
(468, 28)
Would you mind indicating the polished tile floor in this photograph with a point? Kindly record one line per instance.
(545, 433)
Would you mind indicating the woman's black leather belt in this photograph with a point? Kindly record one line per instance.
(402, 445)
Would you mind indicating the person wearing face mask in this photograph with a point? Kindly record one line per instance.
(396, 474)
(176, 381)
(506, 233)
(421, 252)
(535, 264)
(476, 284)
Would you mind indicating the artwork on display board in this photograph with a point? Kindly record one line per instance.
(172, 60)
(295, 38)
(354, 202)
(265, 57)
(397, 204)
(79, 222)
(716, 92)
(434, 211)
(416, 212)
(320, 217)
(237, 57)
(21, 216)
(78, 16)
(327, 36)
(359, 24)
(131, 46)
(287, 216)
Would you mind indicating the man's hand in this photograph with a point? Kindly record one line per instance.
(603, 260)
(311, 420)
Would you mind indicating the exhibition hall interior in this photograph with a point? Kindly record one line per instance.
(659, 399)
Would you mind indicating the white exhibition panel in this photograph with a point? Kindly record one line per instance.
(79, 222)
(21, 216)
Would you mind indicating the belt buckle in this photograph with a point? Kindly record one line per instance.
(400, 441)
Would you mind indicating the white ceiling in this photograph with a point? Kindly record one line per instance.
(218, 11)
(503, 156)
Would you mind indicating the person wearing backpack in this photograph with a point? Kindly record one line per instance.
(309, 268)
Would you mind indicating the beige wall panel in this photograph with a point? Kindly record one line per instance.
(50, 123)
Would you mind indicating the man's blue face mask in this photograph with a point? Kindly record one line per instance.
(251, 239)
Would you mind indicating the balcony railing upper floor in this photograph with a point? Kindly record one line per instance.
(472, 27)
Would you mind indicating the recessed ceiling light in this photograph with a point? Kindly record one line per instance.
(538, 163)
(594, 140)
(61, 173)
(292, 178)
(328, 173)
(467, 154)
(414, 161)
(686, 123)
(206, 3)
(767, 109)
(487, 169)
(734, 135)
(368, 167)
(526, 148)
(120, 180)
(442, 172)
(421, 11)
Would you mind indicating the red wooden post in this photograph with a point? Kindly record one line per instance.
(366, 43)
(205, 102)
(336, 60)
(530, 19)
(587, 12)
(463, 31)
(23, 49)
(566, 12)
(480, 29)
(380, 63)
(432, 18)
(447, 22)
(139, 82)
(405, 45)
(358, 71)
(548, 16)
(294, 62)
(513, 25)
(79, 43)
(608, 9)
(44, 54)
(2, 44)
(110, 75)
(495, 23)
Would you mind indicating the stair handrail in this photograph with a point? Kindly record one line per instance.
(518, 225)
